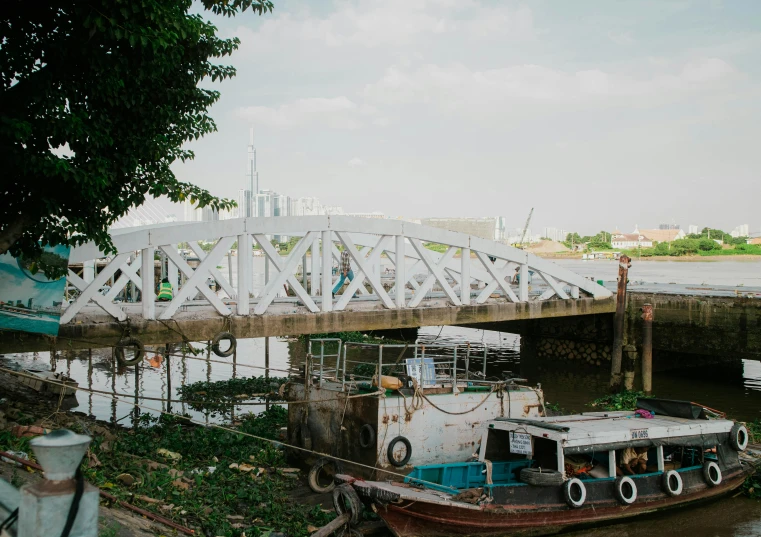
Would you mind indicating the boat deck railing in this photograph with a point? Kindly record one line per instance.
(431, 365)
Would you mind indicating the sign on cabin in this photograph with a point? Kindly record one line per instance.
(520, 443)
(422, 370)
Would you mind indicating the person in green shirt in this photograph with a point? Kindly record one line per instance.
(165, 290)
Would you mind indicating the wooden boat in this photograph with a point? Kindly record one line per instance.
(49, 381)
(544, 475)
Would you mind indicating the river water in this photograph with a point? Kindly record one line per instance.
(738, 394)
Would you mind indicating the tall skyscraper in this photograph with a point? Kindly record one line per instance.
(253, 178)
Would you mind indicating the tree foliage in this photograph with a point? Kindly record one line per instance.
(115, 84)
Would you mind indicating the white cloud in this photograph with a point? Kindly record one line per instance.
(621, 38)
(457, 86)
(393, 23)
(356, 162)
(337, 113)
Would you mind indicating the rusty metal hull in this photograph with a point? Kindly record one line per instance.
(330, 424)
(542, 511)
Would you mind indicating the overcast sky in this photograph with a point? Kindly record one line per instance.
(599, 114)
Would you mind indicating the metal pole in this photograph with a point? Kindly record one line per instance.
(89, 379)
(618, 324)
(343, 377)
(454, 373)
(322, 359)
(267, 367)
(113, 385)
(647, 348)
(168, 379)
(136, 410)
(380, 366)
(484, 371)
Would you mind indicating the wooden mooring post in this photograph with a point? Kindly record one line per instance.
(618, 324)
(647, 348)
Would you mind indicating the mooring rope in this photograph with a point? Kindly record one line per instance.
(243, 433)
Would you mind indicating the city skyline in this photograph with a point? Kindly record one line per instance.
(553, 105)
(254, 201)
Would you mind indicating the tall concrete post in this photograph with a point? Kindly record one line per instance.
(465, 276)
(148, 279)
(327, 270)
(172, 272)
(315, 279)
(647, 348)
(628, 366)
(46, 505)
(401, 276)
(618, 324)
(88, 271)
(245, 246)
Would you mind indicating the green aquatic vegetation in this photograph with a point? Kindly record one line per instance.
(754, 428)
(220, 396)
(626, 400)
(179, 483)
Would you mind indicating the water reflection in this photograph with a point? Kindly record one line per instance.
(737, 391)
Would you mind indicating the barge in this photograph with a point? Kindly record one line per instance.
(545, 475)
(430, 406)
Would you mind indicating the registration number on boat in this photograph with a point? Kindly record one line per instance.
(638, 434)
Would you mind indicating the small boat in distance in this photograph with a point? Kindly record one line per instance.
(544, 475)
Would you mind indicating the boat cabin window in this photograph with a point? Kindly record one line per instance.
(504, 446)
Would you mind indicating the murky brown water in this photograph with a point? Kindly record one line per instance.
(737, 392)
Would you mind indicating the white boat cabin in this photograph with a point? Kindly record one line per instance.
(560, 442)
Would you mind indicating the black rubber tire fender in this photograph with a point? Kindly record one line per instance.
(222, 336)
(568, 495)
(625, 490)
(345, 499)
(712, 473)
(738, 437)
(390, 451)
(129, 342)
(366, 436)
(541, 478)
(672, 483)
(314, 474)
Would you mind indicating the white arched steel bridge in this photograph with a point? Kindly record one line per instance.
(398, 280)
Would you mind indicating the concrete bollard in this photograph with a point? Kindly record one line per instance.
(46, 506)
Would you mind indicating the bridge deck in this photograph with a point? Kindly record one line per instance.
(201, 322)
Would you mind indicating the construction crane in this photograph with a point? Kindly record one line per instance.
(525, 228)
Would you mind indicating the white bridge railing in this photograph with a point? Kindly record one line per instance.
(488, 264)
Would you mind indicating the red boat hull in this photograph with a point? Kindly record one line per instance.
(422, 519)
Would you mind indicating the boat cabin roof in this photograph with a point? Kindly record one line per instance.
(611, 428)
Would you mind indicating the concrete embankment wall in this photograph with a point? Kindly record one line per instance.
(688, 331)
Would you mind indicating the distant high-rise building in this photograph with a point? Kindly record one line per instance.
(252, 186)
(209, 214)
(742, 230)
(693, 230)
(669, 226)
(191, 212)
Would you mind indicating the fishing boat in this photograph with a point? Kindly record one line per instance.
(544, 475)
(429, 406)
